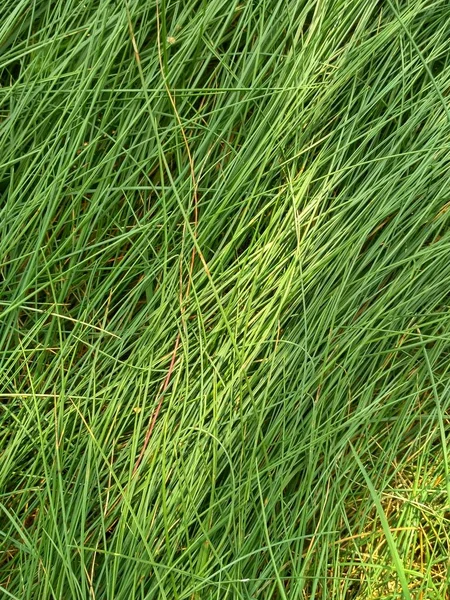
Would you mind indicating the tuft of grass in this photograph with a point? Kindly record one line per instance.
(224, 309)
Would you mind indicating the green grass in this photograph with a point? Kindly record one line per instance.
(224, 307)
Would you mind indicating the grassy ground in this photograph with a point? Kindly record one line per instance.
(224, 307)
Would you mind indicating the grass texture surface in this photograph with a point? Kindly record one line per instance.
(224, 299)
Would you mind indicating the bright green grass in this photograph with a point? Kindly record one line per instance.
(243, 204)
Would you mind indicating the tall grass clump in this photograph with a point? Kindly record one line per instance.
(224, 308)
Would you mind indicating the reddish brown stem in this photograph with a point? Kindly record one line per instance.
(166, 381)
(152, 422)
